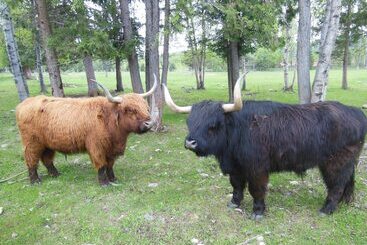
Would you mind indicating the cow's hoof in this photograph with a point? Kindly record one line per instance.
(104, 183)
(35, 181)
(232, 205)
(257, 217)
(326, 211)
(54, 174)
(112, 179)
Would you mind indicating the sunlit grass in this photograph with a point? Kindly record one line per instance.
(74, 209)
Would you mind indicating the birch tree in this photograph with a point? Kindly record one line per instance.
(303, 51)
(12, 50)
(327, 42)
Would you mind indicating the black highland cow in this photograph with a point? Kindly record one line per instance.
(265, 137)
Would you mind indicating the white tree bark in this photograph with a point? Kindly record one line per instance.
(303, 51)
(12, 50)
(330, 28)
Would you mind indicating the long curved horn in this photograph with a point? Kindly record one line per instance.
(172, 105)
(151, 91)
(237, 105)
(116, 99)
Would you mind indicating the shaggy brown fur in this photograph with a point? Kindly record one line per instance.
(71, 125)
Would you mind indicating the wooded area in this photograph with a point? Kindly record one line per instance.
(61, 34)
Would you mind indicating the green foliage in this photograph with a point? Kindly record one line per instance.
(22, 18)
(251, 23)
(4, 62)
(265, 58)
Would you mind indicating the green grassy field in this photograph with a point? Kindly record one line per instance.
(166, 195)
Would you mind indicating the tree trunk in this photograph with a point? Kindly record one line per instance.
(132, 57)
(244, 72)
(152, 61)
(345, 61)
(89, 71)
(303, 51)
(234, 67)
(39, 62)
(119, 86)
(286, 57)
(346, 48)
(38, 48)
(51, 57)
(12, 50)
(27, 72)
(166, 33)
(319, 86)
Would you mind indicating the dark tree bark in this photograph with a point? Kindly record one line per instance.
(119, 86)
(51, 56)
(166, 35)
(152, 61)
(38, 49)
(12, 50)
(129, 39)
(303, 51)
(91, 77)
(234, 67)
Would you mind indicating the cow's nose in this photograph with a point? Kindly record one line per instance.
(148, 124)
(191, 144)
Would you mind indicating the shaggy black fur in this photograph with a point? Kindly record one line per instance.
(267, 137)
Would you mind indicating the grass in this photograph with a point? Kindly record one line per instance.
(190, 198)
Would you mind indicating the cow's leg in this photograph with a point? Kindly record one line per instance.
(338, 175)
(257, 188)
(102, 176)
(347, 196)
(47, 158)
(238, 183)
(99, 161)
(32, 156)
(109, 170)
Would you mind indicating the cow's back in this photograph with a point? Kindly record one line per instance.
(62, 124)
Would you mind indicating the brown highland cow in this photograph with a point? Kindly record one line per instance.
(99, 126)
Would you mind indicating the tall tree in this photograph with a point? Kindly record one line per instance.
(327, 42)
(130, 43)
(288, 12)
(241, 27)
(166, 34)
(38, 49)
(51, 56)
(353, 22)
(194, 16)
(303, 51)
(12, 50)
(347, 24)
(152, 61)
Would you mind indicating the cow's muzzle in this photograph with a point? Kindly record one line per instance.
(145, 126)
(191, 144)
